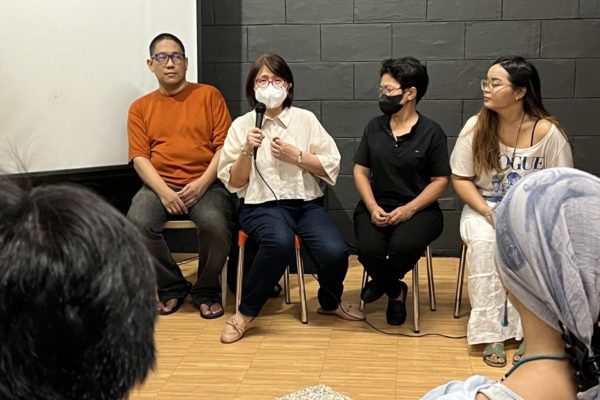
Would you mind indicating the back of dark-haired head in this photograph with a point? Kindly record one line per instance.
(277, 65)
(165, 36)
(77, 296)
(409, 72)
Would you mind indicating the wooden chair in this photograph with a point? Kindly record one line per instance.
(188, 224)
(415, 288)
(242, 238)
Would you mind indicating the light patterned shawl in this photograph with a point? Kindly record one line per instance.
(548, 249)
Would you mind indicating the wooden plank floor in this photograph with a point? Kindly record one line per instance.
(280, 355)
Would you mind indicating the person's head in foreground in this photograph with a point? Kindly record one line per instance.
(77, 305)
(548, 257)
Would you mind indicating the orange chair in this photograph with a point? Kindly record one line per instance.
(242, 237)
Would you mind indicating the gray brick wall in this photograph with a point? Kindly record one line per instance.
(334, 48)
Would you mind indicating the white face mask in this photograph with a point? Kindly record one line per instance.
(272, 97)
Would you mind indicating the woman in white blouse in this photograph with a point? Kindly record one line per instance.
(512, 136)
(276, 171)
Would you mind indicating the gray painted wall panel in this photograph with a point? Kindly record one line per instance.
(348, 118)
(570, 38)
(389, 10)
(587, 80)
(368, 42)
(213, 39)
(335, 48)
(319, 11)
(586, 153)
(589, 9)
(539, 9)
(491, 39)
(429, 40)
(557, 77)
(456, 79)
(366, 80)
(295, 43)
(240, 12)
(581, 117)
(323, 81)
(447, 113)
(461, 10)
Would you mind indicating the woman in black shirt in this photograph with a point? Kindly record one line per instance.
(401, 169)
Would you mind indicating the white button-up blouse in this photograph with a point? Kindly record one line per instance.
(288, 181)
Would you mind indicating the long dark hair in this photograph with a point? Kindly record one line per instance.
(277, 65)
(522, 74)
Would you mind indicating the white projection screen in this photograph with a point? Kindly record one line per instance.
(69, 70)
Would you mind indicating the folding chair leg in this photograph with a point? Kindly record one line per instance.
(286, 285)
(365, 278)
(240, 279)
(459, 281)
(301, 287)
(415, 279)
(430, 282)
(224, 283)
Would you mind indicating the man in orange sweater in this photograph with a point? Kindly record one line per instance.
(175, 137)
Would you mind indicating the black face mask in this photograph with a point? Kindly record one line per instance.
(390, 104)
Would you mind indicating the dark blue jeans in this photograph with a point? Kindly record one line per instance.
(272, 226)
(213, 215)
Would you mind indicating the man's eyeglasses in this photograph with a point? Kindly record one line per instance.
(387, 90)
(492, 86)
(163, 58)
(264, 82)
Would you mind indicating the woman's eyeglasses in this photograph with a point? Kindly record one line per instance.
(387, 90)
(264, 82)
(492, 86)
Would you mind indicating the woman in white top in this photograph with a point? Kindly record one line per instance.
(276, 171)
(512, 136)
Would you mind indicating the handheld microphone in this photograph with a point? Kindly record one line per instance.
(260, 113)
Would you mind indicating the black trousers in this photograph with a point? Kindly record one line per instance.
(390, 252)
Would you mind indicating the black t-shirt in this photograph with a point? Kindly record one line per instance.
(401, 168)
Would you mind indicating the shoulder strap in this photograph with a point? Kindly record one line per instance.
(533, 131)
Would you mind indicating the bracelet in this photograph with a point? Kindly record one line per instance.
(247, 154)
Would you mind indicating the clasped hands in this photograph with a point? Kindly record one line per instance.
(280, 149)
(178, 203)
(381, 218)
